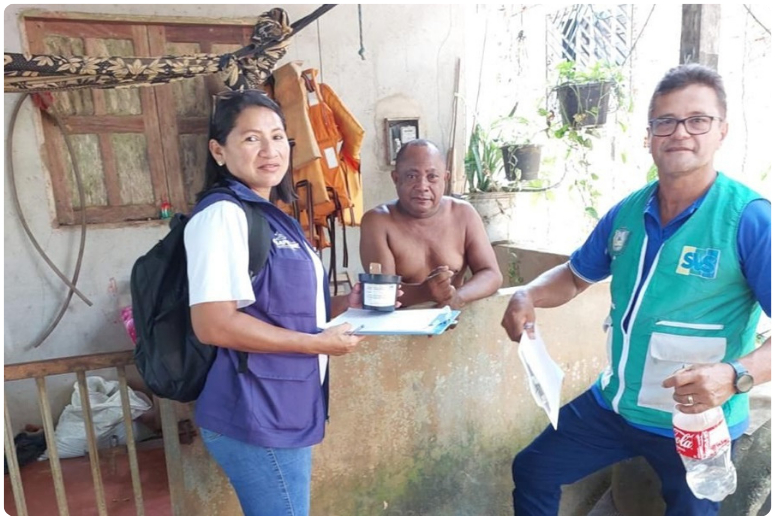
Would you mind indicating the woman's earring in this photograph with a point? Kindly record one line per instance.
(219, 162)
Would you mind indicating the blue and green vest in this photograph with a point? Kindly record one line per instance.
(695, 305)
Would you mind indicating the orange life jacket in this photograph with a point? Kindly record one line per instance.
(326, 157)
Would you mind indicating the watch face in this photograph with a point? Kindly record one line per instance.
(744, 383)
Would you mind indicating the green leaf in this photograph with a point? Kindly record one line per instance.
(651, 174)
(592, 212)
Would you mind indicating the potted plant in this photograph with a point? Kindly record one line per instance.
(521, 138)
(483, 162)
(488, 191)
(584, 94)
(584, 98)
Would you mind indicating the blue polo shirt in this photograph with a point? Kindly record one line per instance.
(592, 262)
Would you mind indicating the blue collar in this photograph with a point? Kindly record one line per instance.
(652, 208)
(244, 192)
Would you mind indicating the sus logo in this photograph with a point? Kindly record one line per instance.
(619, 240)
(698, 262)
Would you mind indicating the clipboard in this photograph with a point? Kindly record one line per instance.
(419, 322)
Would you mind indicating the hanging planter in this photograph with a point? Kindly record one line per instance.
(584, 105)
(524, 160)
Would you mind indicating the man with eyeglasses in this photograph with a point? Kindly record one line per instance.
(690, 261)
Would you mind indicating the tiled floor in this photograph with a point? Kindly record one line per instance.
(119, 497)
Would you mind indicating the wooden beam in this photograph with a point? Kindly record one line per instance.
(51, 446)
(43, 368)
(91, 440)
(700, 31)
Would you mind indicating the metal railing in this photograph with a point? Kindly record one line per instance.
(39, 371)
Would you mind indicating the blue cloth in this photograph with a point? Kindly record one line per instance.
(268, 481)
(592, 260)
(589, 439)
(279, 402)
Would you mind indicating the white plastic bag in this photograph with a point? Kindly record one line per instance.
(107, 416)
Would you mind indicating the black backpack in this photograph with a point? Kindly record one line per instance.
(172, 361)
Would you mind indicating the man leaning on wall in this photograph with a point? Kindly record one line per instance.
(690, 261)
(429, 239)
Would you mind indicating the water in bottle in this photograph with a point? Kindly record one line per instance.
(702, 440)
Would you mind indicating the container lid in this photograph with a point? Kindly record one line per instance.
(379, 278)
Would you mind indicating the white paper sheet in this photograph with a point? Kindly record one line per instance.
(544, 376)
(407, 321)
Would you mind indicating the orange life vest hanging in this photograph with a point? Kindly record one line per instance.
(326, 158)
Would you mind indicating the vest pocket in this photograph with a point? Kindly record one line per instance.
(668, 353)
(695, 326)
(285, 391)
(292, 287)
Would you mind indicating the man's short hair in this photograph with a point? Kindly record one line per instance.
(685, 75)
(419, 142)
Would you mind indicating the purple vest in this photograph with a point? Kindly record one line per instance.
(279, 401)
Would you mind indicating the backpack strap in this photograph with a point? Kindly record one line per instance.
(259, 245)
(259, 237)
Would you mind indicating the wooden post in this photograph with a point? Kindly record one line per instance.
(700, 29)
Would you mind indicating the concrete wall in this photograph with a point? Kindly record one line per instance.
(430, 426)
(409, 71)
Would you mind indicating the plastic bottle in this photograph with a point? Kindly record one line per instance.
(129, 323)
(702, 440)
(165, 211)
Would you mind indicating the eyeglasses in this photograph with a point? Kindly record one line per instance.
(694, 125)
(228, 95)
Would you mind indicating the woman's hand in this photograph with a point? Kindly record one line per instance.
(336, 340)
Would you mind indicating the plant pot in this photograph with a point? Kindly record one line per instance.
(523, 158)
(497, 210)
(584, 105)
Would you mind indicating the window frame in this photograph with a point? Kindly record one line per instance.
(158, 122)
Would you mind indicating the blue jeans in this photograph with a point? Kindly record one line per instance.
(268, 481)
(588, 439)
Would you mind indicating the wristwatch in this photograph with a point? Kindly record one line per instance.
(743, 380)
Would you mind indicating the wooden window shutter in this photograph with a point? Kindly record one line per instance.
(134, 146)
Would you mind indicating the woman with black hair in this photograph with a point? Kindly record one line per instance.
(260, 422)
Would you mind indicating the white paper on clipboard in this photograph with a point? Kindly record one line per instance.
(544, 376)
(425, 322)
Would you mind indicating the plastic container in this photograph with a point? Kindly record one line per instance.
(702, 440)
(129, 323)
(379, 291)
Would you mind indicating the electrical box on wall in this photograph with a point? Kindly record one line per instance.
(399, 131)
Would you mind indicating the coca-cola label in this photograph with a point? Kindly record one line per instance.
(702, 444)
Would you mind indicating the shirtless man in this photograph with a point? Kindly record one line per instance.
(427, 238)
